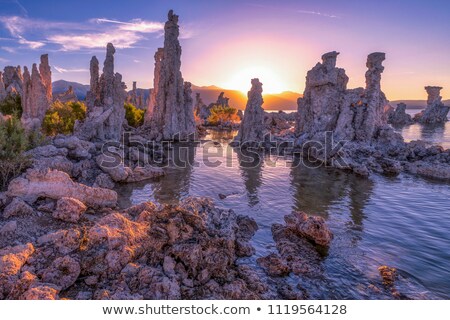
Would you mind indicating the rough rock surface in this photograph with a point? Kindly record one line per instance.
(69, 209)
(313, 228)
(172, 252)
(327, 105)
(12, 260)
(252, 129)
(36, 94)
(159, 55)
(296, 251)
(435, 112)
(17, 207)
(3, 92)
(56, 185)
(171, 107)
(105, 101)
(399, 116)
(13, 80)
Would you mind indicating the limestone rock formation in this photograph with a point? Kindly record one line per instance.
(252, 129)
(36, 94)
(435, 112)
(327, 105)
(170, 115)
(159, 55)
(67, 96)
(13, 80)
(199, 106)
(3, 92)
(46, 75)
(399, 116)
(222, 100)
(105, 101)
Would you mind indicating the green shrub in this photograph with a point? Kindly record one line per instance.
(223, 114)
(134, 116)
(13, 142)
(11, 105)
(61, 117)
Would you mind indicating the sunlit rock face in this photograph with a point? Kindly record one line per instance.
(170, 115)
(159, 54)
(435, 112)
(252, 128)
(399, 116)
(36, 94)
(105, 101)
(327, 104)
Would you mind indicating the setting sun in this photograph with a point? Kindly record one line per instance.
(241, 80)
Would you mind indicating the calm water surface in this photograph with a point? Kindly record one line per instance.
(403, 222)
(433, 134)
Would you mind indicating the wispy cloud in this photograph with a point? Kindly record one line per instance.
(63, 70)
(70, 36)
(136, 61)
(2, 60)
(137, 25)
(326, 15)
(95, 40)
(8, 49)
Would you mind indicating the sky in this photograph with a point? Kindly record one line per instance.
(226, 43)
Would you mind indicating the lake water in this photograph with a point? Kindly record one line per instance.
(433, 134)
(402, 222)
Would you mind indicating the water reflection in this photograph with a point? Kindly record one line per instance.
(250, 165)
(175, 185)
(315, 190)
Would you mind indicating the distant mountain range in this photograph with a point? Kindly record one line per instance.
(282, 101)
(61, 86)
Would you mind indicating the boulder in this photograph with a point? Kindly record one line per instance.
(56, 185)
(63, 272)
(313, 228)
(399, 116)
(69, 209)
(17, 207)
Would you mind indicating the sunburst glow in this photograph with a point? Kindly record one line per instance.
(270, 79)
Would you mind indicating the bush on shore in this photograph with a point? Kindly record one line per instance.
(134, 116)
(14, 140)
(11, 105)
(61, 117)
(223, 115)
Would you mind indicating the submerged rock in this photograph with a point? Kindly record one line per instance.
(313, 228)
